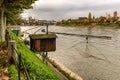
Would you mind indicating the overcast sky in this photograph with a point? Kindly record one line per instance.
(66, 9)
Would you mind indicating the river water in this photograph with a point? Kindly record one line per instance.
(92, 58)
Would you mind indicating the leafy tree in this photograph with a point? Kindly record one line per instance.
(10, 9)
(102, 19)
(115, 19)
(89, 17)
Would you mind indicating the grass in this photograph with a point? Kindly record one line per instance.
(37, 69)
(13, 72)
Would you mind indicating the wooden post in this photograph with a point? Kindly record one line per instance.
(11, 51)
(45, 55)
(19, 66)
(8, 37)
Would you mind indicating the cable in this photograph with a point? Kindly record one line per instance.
(31, 28)
(38, 30)
(103, 44)
(76, 44)
(105, 57)
(102, 67)
(34, 32)
(101, 53)
(90, 55)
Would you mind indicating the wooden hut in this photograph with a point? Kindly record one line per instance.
(43, 42)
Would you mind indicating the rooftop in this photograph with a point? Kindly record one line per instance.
(42, 36)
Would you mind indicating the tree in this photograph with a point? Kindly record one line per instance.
(10, 9)
(89, 17)
(115, 19)
(102, 19)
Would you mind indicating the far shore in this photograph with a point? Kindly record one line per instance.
(110, 25)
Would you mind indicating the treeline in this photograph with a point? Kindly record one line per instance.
(91, 20)
(71, 22)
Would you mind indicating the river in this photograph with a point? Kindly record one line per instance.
(92, 58)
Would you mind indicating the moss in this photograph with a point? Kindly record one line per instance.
(42, 36)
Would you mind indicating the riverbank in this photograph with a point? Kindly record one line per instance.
(109, 25)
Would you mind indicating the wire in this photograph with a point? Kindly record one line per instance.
(103, 44)
(101, 53)
(89, 55)
(38, 30)
(100, 59)
(34, 32)
(76, 44)
(31, 28)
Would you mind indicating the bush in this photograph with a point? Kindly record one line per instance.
(27, 42)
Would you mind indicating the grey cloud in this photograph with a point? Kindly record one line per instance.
(72, 9)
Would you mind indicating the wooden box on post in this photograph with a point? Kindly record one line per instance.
(43, 42)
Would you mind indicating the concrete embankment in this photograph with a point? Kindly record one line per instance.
(65, 71)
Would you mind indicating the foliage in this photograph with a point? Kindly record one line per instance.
(12, 8)
(89, 17)
(27, 42)
(37, 69)
(112, 25)
(74, 22)
(100, 21)
(3, 44)
(13, 72)
(9, 13)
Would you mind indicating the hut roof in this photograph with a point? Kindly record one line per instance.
(42, 36)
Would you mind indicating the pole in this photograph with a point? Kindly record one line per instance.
(19, 56)
(45, 57)
(11, 51)
(47, 28)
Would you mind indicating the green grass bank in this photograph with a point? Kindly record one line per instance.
(36, 68)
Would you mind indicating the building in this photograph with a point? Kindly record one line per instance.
(108, 16)
(82, 18)
(115, 14)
